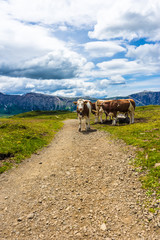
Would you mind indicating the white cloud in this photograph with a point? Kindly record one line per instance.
(128, 19)
(32, 58)
(65, 87)
(73, 12)
(78, 87)
(63, 28)
(125, 67)
(103, 48)
(117, 79)
(31, 51)
(114, 80)
(147, 53)
(19, 41)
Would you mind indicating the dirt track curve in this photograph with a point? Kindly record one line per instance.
(79, 187)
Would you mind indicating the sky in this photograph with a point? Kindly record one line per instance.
(96, 48)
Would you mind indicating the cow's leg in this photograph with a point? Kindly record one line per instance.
(126, 114)
(96, 118)
(131, 111)
(131, 117)
(114, 119)
(88, 123)
(87, 126)
(80, 123)
(100, 116)
(130, 114)
(106, 115)
(109, 115)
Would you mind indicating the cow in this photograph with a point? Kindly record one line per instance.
(124, 106)
(84, 108)
(97, 110)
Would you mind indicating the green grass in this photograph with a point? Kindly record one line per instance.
(24, 134)
(145, 135)
(5, 115)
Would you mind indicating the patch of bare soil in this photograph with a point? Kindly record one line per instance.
(80, 187)
(141, 120)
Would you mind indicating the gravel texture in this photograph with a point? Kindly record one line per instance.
(79, 187)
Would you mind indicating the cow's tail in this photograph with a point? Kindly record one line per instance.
(131, 106)
(89, 105)
(131, 110)
(132, 102)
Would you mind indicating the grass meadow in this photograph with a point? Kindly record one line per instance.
(145, 135)
(24, 134)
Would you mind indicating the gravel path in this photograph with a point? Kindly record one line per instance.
(79, 187)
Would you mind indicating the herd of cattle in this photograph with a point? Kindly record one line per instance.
(111, 108)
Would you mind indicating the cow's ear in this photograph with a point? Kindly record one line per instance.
(75, 103)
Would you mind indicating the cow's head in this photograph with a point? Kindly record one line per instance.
(80, 105)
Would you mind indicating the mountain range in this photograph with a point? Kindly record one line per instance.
(14, 104)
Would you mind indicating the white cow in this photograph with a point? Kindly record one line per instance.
(83, 111)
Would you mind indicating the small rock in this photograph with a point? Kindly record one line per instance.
(150, 217)
(103, 227)
(19, 219)
(157, 165)
(30, 216)
(78, 234)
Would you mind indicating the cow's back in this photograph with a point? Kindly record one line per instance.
(121, 105)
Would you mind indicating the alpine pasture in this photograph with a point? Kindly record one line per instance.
(24, 134)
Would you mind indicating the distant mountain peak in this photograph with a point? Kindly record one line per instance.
(13, 104)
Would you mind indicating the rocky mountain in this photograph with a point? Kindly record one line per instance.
(143, 98)
(14, 104)
(146, 98)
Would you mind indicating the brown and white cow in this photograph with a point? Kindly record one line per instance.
(84, 108)
(119, 106)
(98, 111)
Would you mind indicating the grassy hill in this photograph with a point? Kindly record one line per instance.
(145, 135)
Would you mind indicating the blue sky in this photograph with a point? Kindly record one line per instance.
(97, 48)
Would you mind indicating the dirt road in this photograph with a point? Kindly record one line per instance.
(80, 187)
